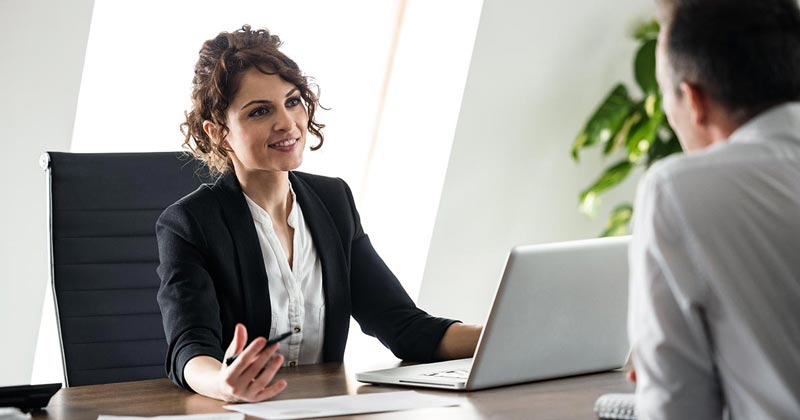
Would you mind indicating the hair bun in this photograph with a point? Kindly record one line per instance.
(221, 41)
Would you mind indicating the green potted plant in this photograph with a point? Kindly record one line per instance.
(632, 131)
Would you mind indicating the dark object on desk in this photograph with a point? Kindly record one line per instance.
(277, 339)
(103, 211)
(615, 407)
(27, 397)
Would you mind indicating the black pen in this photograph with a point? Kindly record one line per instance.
(277, 339)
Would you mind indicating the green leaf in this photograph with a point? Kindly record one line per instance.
(617, 224)
(638, 126)
(645, 132)
(662, 148)
(590, 197)
(646, 30)
(644, 67)
(606, 120)
(621, 137)
(652, 104)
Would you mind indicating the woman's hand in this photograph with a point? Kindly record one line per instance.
(247, 379)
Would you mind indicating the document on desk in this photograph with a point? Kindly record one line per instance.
(344, 404)
(213, 416)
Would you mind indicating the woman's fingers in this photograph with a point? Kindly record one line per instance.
(266, 372)
(270, 391)
(238, 342)
(261, 371)
(260, 362)
(235, 374)
(248, 378)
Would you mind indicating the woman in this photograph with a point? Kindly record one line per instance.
(267, 250)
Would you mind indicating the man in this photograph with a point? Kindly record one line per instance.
(714, 315)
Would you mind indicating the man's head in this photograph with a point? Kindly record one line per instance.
(721, 62)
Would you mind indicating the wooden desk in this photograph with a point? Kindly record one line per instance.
(564, 399)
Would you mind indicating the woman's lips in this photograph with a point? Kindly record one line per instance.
(284, 145)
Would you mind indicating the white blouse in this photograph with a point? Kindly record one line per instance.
(295, 293)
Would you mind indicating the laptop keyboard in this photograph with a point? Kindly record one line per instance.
(449, 374)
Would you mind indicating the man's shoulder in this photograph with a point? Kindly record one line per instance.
(708, 166)
(667, 170)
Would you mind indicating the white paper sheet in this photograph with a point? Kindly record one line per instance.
(344, 404)
(213, 416)
(11, 413)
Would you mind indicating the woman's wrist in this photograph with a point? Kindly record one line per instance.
(201, 373)
(459, 341)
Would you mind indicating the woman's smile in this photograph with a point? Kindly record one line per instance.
(284, 145)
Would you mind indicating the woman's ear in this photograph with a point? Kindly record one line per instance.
(212, 131)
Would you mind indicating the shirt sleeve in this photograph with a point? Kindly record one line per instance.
(672, 350)
(382, 307)
(187, 297)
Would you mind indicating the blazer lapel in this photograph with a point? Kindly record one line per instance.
(252, 274)
(335, 283)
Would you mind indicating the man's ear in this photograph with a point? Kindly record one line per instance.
(697, 101)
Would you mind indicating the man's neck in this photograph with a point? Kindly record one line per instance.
(722, 125)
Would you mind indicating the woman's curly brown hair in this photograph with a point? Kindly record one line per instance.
(217, 76)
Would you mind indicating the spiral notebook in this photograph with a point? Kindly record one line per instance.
(615, 407)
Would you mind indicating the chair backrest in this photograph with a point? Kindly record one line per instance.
(103, 259)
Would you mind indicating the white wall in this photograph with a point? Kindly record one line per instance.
(43, 44)
(538, 70)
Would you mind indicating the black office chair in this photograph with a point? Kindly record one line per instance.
(103, 210)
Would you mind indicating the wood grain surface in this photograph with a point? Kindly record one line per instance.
(565, 399)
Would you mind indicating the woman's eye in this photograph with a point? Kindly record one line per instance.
(294, 101)
(259, 112)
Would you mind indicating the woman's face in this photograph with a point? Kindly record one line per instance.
(267, 123)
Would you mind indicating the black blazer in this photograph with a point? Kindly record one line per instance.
(212, 275)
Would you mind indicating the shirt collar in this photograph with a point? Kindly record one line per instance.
(261, 215)
(781, 121)
(292, 220)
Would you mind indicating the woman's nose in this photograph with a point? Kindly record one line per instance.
(283, 120)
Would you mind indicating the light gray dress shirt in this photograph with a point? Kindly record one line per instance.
(714, 310)
(295, 292)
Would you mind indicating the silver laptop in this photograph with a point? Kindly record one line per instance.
(560, 309)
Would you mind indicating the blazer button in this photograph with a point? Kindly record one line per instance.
(296, 330)
(292, 363)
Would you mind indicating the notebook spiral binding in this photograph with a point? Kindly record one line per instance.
(615, 407)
